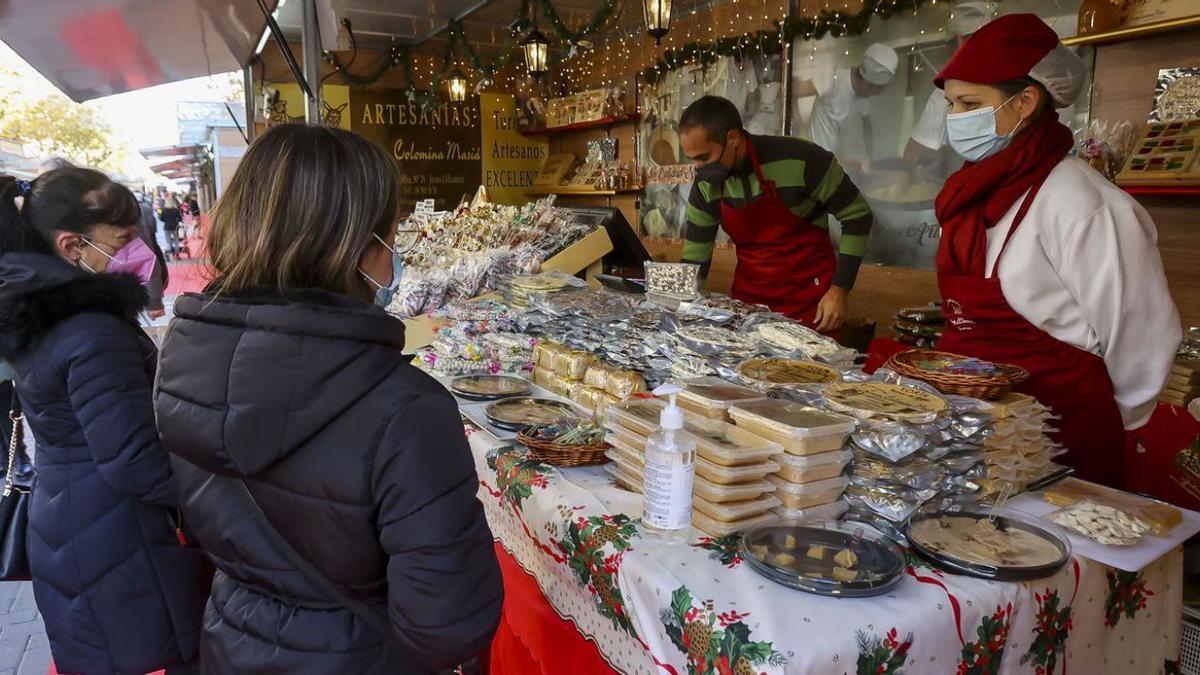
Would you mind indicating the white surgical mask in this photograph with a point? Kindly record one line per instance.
(973, 134)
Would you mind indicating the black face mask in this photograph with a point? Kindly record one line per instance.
(715, 172)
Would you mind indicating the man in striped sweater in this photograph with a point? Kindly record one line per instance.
(773, 197)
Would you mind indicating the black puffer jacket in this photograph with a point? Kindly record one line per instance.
(358, 459)
(117, 591)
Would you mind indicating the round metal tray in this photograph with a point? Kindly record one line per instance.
(983, 570)
(515, 414)
(880, 564)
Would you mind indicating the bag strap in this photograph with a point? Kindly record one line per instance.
(16, 440)
(369, 615)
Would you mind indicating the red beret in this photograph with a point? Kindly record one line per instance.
(1005, 49)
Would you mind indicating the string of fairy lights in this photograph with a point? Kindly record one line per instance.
(702, 34)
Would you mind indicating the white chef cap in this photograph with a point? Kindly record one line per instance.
(968, 17)
(879, 64)
(1062, 73)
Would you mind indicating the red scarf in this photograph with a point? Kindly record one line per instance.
(978, 195)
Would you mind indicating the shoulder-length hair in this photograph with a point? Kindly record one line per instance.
(301, 209)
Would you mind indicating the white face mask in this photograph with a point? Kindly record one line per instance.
(973, 134)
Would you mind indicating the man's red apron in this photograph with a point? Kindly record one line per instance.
(783, 261)
(1074, 383)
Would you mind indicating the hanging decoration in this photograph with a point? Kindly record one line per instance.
(658, 18)
(771, 42)
(570, 37)
(537, 50)
(456, 86)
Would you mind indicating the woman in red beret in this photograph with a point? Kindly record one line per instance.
(1043, 263)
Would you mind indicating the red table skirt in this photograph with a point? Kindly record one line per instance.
(532, 638)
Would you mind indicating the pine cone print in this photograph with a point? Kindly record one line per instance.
(744, 667)
(607, 597)
(608, 534)
(699, 635)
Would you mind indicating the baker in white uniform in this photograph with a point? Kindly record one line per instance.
(1044, 263)
(925, 148)
(844, 95)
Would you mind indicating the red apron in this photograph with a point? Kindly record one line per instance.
(1072, 382)
(783, 261)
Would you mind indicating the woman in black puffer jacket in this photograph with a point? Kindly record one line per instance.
(117, 590)
(285, 379)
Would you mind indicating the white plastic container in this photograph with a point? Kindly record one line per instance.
(808, 495)
(809, 468)
(711, 397)
(730, 512)
(799, 429)
(639, 415)
(668, 475)
(717, 528)
(718, 442)
(630, 466)
(734, 475)
(823, 512)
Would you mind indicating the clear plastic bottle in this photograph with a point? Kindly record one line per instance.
(669, 475)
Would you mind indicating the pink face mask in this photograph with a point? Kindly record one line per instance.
(134, 258)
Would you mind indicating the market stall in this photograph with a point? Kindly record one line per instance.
(790, 431)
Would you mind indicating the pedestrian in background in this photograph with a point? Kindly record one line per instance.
(171, 218)
(116, 587)
(158, 282)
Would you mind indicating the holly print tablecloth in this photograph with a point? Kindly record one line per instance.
(698, 609)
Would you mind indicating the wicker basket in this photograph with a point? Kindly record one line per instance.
(985, 387)
(564, 454)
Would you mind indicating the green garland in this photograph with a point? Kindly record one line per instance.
(601, 17)
(771, 42)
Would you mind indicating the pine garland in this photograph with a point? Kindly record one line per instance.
(771, 42)
(602, 15)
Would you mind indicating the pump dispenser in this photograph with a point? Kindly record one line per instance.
(670, 474)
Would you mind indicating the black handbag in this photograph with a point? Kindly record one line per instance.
(14, 504)
(371, 616)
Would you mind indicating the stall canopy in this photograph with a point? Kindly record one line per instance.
(94, 48)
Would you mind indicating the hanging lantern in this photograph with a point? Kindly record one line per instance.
(456, 86)
(537, 52)
(658, 18)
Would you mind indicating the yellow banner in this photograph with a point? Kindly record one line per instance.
(511, 161)
(290, 104)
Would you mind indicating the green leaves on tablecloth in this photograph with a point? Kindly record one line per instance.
(517, 474)
(878, 655)
(1053, 626)
(983, 657)
(587, 547)
(727, 549)
(1127, 594)
(715, 643)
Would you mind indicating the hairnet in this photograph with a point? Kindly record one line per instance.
(879, 64)
(1062, 73)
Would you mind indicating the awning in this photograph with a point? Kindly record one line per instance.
(94, 48)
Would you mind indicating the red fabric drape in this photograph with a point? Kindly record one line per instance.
(532, 638)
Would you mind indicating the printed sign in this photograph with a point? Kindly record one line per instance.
(438, 147)
(511, 161)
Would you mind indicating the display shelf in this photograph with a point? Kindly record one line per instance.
(1162, 190)
(1134, 32)
(584, 255)
(593, 124)
(577, 191)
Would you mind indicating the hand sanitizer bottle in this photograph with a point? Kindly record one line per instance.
(670, 472)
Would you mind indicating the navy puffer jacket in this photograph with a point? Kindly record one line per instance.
(359, 461)
(117, 591)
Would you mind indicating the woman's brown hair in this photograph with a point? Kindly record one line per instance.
(301, 209)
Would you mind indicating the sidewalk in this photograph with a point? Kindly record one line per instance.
(24, 649)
